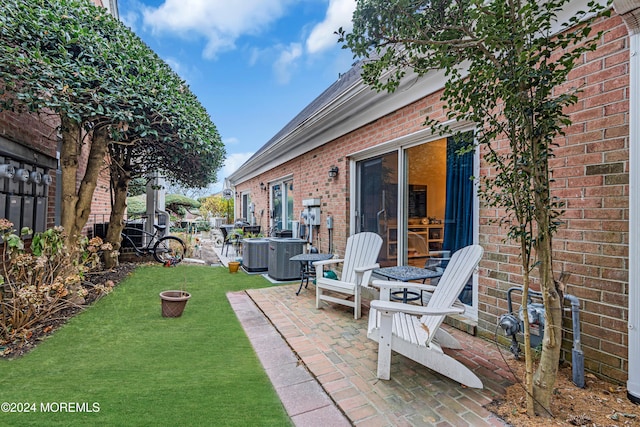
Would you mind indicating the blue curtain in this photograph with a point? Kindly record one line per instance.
(458, 226)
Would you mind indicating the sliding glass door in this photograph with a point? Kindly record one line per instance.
(420, 200)
(377, 202)
(438, 205)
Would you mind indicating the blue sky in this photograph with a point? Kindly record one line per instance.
(254, 64)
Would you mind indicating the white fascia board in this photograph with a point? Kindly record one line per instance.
(357, 106)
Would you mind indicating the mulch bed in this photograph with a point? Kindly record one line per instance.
(598, 404)
(15, 349)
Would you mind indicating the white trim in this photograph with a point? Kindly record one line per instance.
(401, 217)
(112, 7)
(357, 106)
(242, 207)
(285, 179)
(279, 180)
(416, 138)
(353, 186)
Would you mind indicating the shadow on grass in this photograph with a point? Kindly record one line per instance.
(121, 363)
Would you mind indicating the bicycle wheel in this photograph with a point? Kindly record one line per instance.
(169, 250)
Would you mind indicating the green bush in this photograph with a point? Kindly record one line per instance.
(190, 227)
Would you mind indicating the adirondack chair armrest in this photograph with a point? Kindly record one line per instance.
(361, 270)
(390, 284)
(418, 310)
(385, 287)
(327, 262)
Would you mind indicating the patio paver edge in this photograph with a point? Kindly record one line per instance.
(317, 405)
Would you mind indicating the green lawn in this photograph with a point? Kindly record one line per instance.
(143, 369)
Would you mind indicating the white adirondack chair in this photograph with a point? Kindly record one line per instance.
(359, 261)
(414, 331)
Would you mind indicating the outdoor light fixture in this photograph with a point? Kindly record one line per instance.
(227, 193)
(333, 172)
(262, 186)
(7, 171)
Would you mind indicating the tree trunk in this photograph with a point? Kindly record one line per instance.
(69, 159)
(95, 163)
(528, 356)
(545, 376)
(120, 180)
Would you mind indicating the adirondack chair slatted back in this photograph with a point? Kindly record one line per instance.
(456, 275)
(362, 250)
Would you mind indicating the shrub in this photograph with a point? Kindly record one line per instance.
(37, 285)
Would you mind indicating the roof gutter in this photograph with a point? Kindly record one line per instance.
(280, 151)
(353, 108)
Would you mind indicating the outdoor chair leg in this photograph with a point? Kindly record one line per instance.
(384, 345)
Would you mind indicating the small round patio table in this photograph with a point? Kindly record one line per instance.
(306, 266)
(407, 273)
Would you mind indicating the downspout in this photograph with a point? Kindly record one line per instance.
(630, 12)
(633, 384)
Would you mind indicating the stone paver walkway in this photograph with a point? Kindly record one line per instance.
(303, 398)
(327, 347)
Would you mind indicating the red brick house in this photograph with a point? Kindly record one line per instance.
(29, 143)
(374, 167)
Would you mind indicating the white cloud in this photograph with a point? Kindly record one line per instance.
(220, 22)
(286, 62)
(231, 164)
(176, 66)
(130, 20)
(339, 14)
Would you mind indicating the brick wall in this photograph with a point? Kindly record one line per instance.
(39, 132)
(31, 130)
(591, 175)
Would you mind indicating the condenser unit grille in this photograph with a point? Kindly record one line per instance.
(280, 251)
(255, 254)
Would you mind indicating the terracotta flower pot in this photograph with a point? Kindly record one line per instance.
(173, 302)
(234, 266)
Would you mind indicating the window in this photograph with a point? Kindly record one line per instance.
(246, 207)
(282, 205)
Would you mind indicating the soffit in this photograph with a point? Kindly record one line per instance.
(630, 12)
(345, 112)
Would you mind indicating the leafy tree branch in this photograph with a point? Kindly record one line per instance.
(506, 64)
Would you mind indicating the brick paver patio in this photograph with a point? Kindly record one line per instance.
(335, 349)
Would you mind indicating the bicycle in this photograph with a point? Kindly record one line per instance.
(167, 250)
